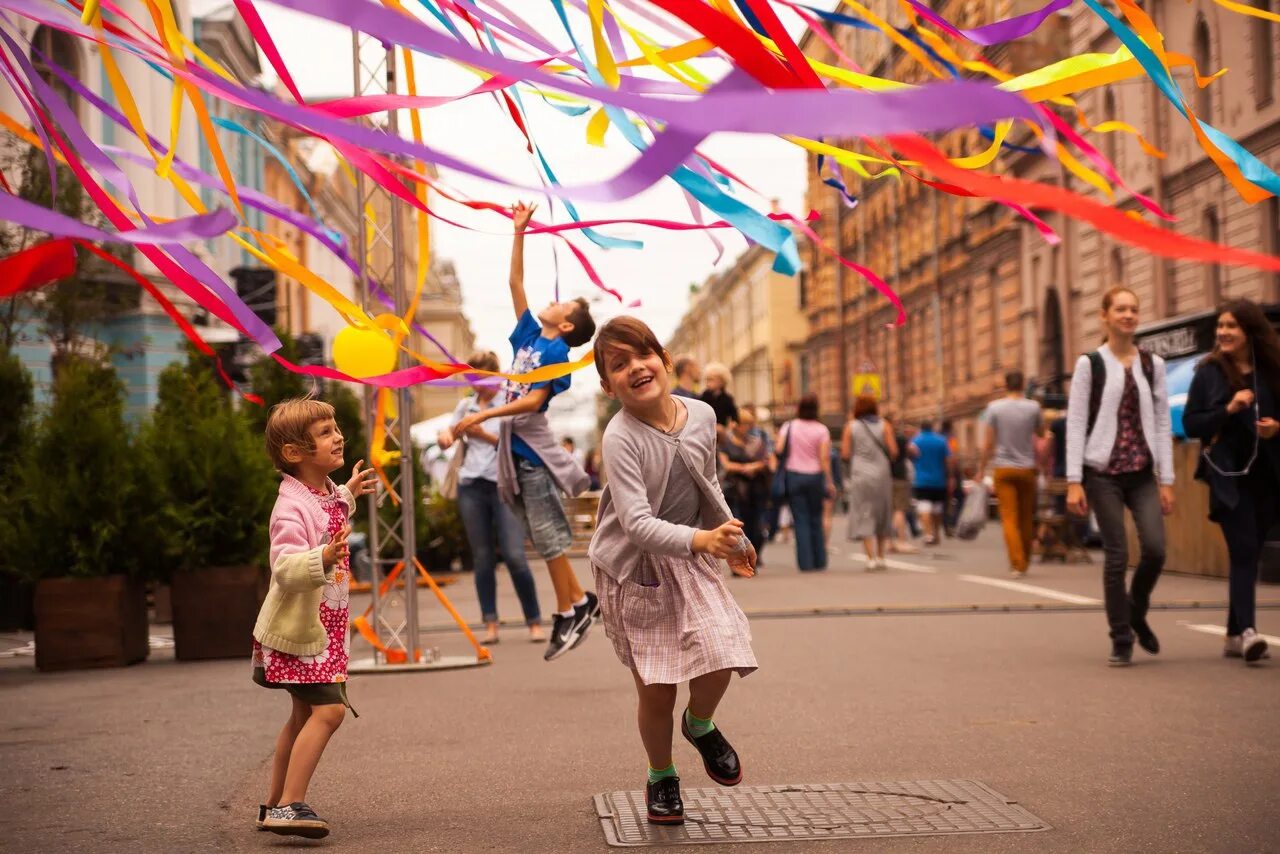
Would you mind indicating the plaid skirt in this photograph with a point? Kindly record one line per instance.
(675, 619)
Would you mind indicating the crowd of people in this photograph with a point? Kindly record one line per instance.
(690, 477)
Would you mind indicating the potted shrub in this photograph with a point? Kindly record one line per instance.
(16, 398)
(74, 525)
(216, 488)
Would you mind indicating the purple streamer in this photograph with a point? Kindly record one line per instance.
(998, 32)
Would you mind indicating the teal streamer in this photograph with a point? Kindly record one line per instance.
(1253, 169)
(753, 225)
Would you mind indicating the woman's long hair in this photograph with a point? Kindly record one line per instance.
(1263, 340)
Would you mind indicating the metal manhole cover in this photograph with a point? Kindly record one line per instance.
(817, 811)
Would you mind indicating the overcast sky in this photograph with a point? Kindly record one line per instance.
(479, 130)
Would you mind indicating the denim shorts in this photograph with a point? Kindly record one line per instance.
(541, 511)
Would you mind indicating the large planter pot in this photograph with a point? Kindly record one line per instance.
(214, 611)
(90, 622)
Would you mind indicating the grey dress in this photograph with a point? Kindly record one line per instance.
(870, 482)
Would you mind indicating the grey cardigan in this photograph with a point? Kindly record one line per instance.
(536, 432)
(1094, 450)
(638, 459)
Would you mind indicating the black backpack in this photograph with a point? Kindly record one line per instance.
(1098, 379)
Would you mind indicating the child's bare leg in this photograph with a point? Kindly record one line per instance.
(307, 749)
(284, 747)
(565, 582)
(655, 707)
(869, 547)
(706, 691)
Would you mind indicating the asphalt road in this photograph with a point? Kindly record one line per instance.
(919, 673)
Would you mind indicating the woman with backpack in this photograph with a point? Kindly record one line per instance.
(1232, 407)
(869, 446)
(1120, 454)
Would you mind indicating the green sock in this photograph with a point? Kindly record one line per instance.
(697, 726)
(656, 774)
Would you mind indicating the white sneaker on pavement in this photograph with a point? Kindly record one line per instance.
(1252, 647)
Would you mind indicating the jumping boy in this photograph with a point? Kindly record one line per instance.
(533, 467)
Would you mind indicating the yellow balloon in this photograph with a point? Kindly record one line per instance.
(363, 352)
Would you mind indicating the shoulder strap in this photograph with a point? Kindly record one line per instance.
(1097, 380)
(1148, 368)
(874, 438)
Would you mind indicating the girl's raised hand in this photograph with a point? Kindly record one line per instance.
(363, 482)
(719, 542)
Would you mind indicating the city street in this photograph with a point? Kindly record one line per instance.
(942, 668)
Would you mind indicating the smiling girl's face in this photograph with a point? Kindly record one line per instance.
(636, 379)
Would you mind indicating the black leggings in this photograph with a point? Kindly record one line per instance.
(1245, 530)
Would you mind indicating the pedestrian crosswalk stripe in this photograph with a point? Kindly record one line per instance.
(892, 563)
(1032, 589)
(1222, 632)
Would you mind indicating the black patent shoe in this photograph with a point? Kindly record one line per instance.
(718, 757)
(663, 800)
(1146, 638)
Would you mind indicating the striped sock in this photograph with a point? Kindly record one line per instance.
(656, 774)
(698, 727)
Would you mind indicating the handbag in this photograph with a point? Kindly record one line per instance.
(449, 486)
(778, 488)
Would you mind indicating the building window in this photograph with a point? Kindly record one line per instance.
(1110, 141)
(1212, 272)
(993, 283)
(1204, 97)
(802, 287)
(1264, 55)
(51, 49)
(1271, 238)
(804, 373)
(1117, 266)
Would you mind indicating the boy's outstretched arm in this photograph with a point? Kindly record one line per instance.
(520, 216)
(531, 402)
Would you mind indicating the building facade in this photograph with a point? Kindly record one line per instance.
(748, 317)
(984, 292)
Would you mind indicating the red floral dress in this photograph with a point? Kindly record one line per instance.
(335, 614)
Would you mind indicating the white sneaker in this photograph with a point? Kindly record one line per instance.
(1252, 647)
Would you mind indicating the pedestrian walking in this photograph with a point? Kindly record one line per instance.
(1009, 448)
(663, 525)
(1232, 408)
(715, 393)
(1119, 442)
(932, 456)
(688, 376)
(533, 468)
(300, 640)
(487, 521)
(745, 459)
(869, 446)
(805, 444)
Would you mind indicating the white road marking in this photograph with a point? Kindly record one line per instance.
(894, 563)
(1221, 632)
(1032, 589)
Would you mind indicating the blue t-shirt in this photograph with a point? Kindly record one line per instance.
(931, 465)
(533, 351)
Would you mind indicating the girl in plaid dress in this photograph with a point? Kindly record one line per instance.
(662, 526)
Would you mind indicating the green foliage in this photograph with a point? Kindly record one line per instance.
(74, 510)
(211, 477)
(273, 382)
(16, 398)
(441, 535)
(67, 310)
(348, 412)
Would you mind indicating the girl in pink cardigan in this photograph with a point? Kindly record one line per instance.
(300, 641)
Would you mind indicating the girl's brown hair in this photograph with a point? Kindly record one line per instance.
(290, 424)
(484, 360)
(1110, 296)
(865, 404)
(1263, 340)
(625, 333)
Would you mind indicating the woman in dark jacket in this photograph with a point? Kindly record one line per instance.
(1232, 408)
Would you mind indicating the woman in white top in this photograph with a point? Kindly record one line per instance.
(487, 519)
(1119, 443)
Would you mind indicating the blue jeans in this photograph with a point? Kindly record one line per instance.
(489, 521)
(805, 493)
